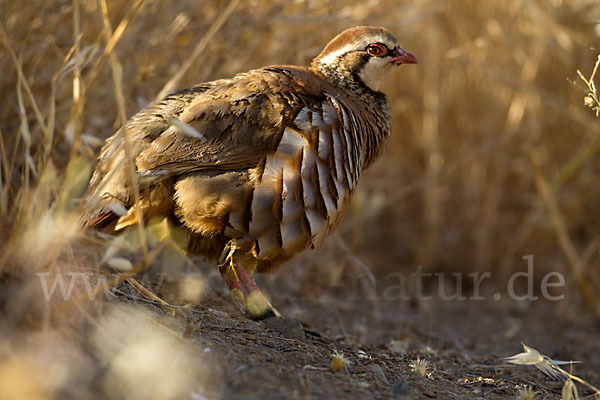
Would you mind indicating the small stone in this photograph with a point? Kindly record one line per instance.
(286, 327)
(378, 371)
(400, 388)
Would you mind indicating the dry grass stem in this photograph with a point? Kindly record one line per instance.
(175, 80)
(551, 368)
(564, 240)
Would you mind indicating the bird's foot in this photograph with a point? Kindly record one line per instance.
(245, 292)
(256, 303)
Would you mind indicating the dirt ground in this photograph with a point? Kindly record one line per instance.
(463, 341)
(145, 339)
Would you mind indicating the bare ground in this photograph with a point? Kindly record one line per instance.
(463, 341)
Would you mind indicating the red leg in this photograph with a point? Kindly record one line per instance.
(240, 298)
(231, 282)
(253, 289)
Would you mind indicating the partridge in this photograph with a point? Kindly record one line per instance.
(258, 167)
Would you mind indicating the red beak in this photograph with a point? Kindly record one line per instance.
(403, 57)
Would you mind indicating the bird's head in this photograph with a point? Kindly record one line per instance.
(362, 53)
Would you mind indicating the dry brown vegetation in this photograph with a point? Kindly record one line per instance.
(493, 157)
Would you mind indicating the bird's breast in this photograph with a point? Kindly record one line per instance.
(304, 186)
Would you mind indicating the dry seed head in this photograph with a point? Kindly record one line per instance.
(338, 361)
(399, 346)
(569, 390)
(526, 393)
(588, 101)
(420, 366)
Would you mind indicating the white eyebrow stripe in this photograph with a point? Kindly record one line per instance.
(329, 58)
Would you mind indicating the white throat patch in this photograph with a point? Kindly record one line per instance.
(374, 71)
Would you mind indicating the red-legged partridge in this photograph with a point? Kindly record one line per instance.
(260, 166)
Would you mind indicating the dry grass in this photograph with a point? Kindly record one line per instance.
(421, 367)
(493, 154)
(552, 369)
(456, 187)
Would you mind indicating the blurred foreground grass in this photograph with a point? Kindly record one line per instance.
(493, 154)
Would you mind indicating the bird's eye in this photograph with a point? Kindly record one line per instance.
(376, 50)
